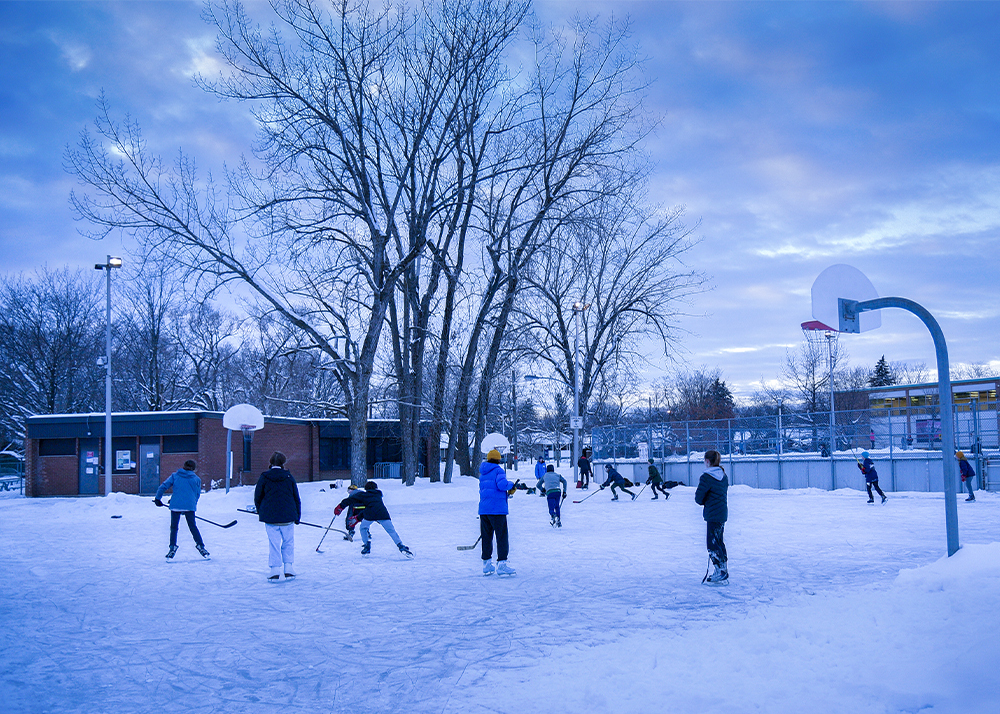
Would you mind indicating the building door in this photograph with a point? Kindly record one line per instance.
(149, 468)
(90, 466)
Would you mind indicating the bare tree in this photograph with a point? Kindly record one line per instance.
(51, 333)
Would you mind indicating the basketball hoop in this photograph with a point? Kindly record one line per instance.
(247, 419)
(818, 334)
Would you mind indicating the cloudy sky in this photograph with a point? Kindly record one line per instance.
(797, 135)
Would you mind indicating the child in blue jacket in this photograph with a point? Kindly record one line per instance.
(871, 477)
(186, 490)
(616, 480)
(494, 489)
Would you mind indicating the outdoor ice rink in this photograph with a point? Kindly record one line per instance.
(835, 606)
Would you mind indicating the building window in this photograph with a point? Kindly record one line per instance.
(57, 447)
(334, 454)
(180, 444)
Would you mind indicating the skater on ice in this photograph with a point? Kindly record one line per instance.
(968, 474)
(867, 467)
(656, 481)
(494, 490)
(585, 471)
(616, 480)
(373, 510)
(713, 496)
(279, 508)
(540, 468)
(553, 487)
(353, 516)
(186, 487)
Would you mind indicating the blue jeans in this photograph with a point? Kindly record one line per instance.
(555, 500)
(386, 524)
(970, 483)
(175, 519)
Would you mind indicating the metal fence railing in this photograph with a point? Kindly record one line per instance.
(394, 469)
(896, 433)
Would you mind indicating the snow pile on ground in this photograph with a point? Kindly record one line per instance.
(835, 606)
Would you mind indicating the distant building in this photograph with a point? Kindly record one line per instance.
(910, 415)
(64, 452)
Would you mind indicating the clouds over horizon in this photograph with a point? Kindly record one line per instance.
(796, 135)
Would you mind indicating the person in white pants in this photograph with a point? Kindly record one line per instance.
(280, 509)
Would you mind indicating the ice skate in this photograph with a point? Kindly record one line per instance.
(203, 551)
(504, 569)
(719, 577)
(559, 522)
(366, 549)
(614, 498)
(274, 579)
(654, 498)
(405, 551)
(884, 499)
(634, 496)
(488, 568)
(171, 553)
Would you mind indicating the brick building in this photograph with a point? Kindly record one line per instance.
(64, 452)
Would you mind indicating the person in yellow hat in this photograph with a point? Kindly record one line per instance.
(494, 490)
(968, 474)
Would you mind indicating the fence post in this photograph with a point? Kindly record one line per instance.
(777, 420)
(687, 448)
(729, 446)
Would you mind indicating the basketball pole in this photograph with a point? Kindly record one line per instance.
(850, 311)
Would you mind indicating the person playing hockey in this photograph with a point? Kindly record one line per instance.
(713, 496)
(656, 482)
(968, 474)
(494, 490)
(553, 487)
(583, 464)
(279, 508)
(186, 488)
(867, 467)
(373, 510)
(353, 517)
(616, 480)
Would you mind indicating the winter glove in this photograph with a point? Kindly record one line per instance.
(336, 511)
(602, 487)
(542, 493)
(564, 494)
(511, 490)
(158, 502)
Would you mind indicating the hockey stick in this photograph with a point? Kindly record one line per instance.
(640, 491)
(300, 523)
(220, 525)
(470, 547)
(325, 534)
(590, 496)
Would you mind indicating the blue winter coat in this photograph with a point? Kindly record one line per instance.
(539, 470)
(868, 469)
(966, 469)
(187, 490)
(493, 488)
(614, 478)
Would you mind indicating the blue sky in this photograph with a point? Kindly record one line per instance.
(796, 134)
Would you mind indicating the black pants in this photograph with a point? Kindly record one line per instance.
(585, 478)
(488, 525)
(716, 546)
(175, 519)
(661, 488)
(874, 484)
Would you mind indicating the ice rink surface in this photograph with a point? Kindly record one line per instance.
(834, 606)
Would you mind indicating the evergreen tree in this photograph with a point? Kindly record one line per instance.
(882, 375)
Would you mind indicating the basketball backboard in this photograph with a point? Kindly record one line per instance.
(843, 281)
(495, 441)
(243, 417)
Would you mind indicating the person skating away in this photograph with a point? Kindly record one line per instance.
(279, 508)
(353, 516)
(616, 480)
(656, 481)
(713, 496)
(968, 474)
(867, 467)
(553, 487)
(540, 468)
(186, 487)
(373, 510)
(494, 490)
(583, 464)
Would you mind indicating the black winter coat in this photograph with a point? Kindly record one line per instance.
(713, 494)
(277, 497)
(371, 502)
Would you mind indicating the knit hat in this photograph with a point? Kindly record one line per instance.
(494, 456)
(864, 454)
(960, 455)
(352, 487)
(550, 469)
(371, 486)
(541, 458)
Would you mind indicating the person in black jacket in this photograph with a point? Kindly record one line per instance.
(713, 495)
(616, 480)
(585, 471)
(280, 510)
(374, 511)
(657, 482)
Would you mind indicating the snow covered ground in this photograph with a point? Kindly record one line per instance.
(835, 606)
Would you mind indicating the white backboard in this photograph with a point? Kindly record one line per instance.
(243, 415)
(843, 281)
(495, 441)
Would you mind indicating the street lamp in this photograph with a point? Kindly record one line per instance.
(108, 455)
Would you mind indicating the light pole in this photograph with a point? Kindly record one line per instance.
(578, 307)
(108, 453)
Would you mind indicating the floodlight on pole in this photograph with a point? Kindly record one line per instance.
(112, 262)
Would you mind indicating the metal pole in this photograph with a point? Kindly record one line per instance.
(108, 452)
(576, 397)
(833, 435)
(849, 307)
(513, 396)
(780, 439)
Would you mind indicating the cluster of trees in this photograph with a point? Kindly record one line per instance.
(438, 195)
